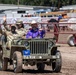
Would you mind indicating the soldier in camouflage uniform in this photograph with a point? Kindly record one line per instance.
(20, 29)
(16, 31)
(6, 33)
(4, 30)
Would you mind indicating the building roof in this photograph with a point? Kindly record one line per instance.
(54, 13)
(68, 7)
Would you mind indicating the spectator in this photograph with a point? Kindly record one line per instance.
(59, 17)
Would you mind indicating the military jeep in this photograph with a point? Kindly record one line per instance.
(31, 52)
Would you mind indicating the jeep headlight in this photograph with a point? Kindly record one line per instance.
(19, 42)
(51, 43)
(26, 43)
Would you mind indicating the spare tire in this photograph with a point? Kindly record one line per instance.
(70, 40)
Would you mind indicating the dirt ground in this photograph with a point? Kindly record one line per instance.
(68, 64)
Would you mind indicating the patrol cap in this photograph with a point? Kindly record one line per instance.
(18, 22)
(12, 24)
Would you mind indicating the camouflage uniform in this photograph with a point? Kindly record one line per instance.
(10, 36)
(3, 30)
(7, 35)
(21, 31)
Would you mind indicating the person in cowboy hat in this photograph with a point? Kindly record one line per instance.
(35, 32)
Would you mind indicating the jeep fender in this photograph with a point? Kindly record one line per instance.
(54, 49)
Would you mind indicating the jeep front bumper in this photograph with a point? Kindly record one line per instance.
(40, 57)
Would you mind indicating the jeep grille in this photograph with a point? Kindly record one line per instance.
(39, 47)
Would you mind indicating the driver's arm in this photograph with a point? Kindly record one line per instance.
(42, 33)
(28, 35)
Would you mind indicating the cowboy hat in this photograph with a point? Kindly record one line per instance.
(33, 22)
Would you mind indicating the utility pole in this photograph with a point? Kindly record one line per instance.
(18, 3)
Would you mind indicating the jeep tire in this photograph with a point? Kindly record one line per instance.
(40, 66)
(17, 62)
(57, 63)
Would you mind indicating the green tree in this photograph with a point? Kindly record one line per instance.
(73, 1)
(56, 3)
